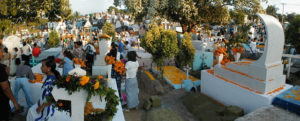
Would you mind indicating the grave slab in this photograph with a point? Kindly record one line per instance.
(289, 100)
(229, 93)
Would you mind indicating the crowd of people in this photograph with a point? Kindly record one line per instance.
(19, 61)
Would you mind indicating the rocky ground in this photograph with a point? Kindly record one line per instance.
(177, 105)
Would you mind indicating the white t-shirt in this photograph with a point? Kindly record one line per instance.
(26, 49)
(118, 24)
(131, 69)
(253, 47)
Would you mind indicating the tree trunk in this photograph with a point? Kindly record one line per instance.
(184, 27)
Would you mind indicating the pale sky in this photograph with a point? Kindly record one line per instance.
(289, 7)
(91, 6)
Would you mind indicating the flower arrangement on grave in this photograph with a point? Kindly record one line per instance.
(119, 66)
(238, 49)
(79, 62)
(94, 86)
(220, 50)
(110, 60)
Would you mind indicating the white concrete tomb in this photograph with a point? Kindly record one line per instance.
(250, 84)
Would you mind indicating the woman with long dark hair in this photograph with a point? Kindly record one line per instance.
(131, 83)
(43, 110)
(114, 74)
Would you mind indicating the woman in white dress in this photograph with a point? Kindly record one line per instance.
(43, 110)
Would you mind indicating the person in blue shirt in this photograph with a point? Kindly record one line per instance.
(121, 47)
(67, 64)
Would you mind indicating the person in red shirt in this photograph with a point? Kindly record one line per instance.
(36, 50)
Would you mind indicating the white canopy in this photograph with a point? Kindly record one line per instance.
(11, 42)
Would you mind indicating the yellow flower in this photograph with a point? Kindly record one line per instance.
(84, 80)
(100, 77)
(96, 86)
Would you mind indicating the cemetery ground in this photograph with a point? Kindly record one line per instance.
(180, 105)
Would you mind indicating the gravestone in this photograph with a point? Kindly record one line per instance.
(100, 67)
(78, 99)
(250, 84)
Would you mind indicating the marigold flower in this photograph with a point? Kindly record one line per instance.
(60, 104)
(110, 60)
(100, 77)
(84, 80)
(119, 67)
(68, 78)
(96, 86)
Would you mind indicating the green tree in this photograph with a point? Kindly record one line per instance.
(190, 13)
(290, 17)
(5, 26)
(111, 8)
(162, 44)
(186, 51)
(77, 15)
(53, 39)
(272, 10)
(65, 9)
(117, 3)
(292, 33)
(238, 17)
(109, 29)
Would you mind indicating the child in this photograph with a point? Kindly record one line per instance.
(67, 63)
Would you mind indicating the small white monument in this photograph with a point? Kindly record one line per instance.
(250, 84)
(78, 99)
(100, 67)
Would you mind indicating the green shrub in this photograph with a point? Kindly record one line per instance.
(53, 39)
(186, 51)
(109, 29)
(162, 44)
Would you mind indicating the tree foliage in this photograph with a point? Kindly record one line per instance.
(109, 29)
(292, 33)
(162, 44)
(19, 11)
(186, 51)
(190, 13)
(238, 16)
(272, 10)
(117, 3)
(53, 39)
(5, 26)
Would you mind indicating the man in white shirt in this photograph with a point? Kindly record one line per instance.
(253, 46)
(26, 52)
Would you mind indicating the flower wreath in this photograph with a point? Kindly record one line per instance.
(93, 86)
